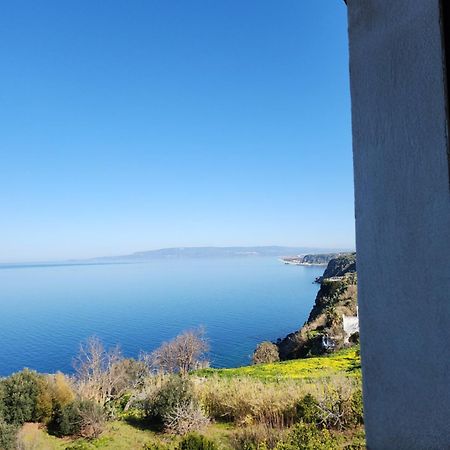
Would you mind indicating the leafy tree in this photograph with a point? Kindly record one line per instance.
(266, 352)
(26, 398)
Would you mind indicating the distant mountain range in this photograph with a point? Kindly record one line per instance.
(186, 252)
(214, 252)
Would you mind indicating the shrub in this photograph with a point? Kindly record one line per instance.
(92, 419)
(357, 407)
(156, 446)
(338, 406)
(358, 441)
(266, 352)
(62, 392)
(185, 418)
(66, 420)
(354, 338)
(308, 409)
(175, 391)
(175, 406)
(256, 437)
(194, 441)
(81, 418)
(309, 437)
(26, 398)
(8, 436)
(44, 401)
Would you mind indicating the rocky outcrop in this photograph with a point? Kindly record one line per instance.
(340, 266)
(324, 330)
(320, 259)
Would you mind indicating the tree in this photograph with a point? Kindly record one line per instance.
(266, 352)
(26, 398)
(182, 354)
(104, 375)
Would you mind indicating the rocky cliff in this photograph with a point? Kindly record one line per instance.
(324, 330)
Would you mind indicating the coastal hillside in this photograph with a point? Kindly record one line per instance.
(345, 362)
(211, 252)
(313, 403)
(332, 323)
(314, 259)
(169, 399)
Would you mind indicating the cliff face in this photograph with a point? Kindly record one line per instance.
(324, 330)
(343, 264)
(319, 259)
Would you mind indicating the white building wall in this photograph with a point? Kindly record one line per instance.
(402, 220)
(350, 325)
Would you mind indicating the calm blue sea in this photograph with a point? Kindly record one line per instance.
(46, 311)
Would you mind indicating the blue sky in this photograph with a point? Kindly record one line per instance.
(133, 125)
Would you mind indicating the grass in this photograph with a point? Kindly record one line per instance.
(346, 362)
(129, 435)
(117, 436)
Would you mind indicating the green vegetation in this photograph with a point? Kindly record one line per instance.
(196, 441)
(161, 403)
(345, 362)
(266, 352)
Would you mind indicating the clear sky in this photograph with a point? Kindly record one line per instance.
(134, 125)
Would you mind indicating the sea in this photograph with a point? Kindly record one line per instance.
(46, 311)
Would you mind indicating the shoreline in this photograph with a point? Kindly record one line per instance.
(298, 262)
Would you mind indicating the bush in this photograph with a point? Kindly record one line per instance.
(309, 437)
(44, 401)
(8, 436)
(265, 353)
(308, 409)
(26, 398)
(82, 418)
(357, 407)
(256, 437)
(92, 419)
(61, 389)
(176, 391)
(175, 407)
(156, 446)
(338, 406)
(185, 418)
(196, 441)
(66, 420)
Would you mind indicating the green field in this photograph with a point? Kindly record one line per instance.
(346, 362)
